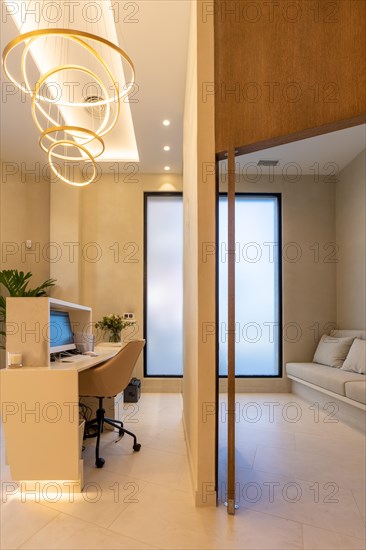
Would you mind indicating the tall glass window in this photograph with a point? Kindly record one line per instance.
(163, 285)
(257, 285)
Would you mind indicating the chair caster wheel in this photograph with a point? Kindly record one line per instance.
(100, 462)
(137, 447)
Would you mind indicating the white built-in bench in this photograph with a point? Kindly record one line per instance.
(344, 386)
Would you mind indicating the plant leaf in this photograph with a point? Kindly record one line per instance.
(16, 283)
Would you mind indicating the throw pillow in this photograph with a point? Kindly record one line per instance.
(356, 358)
(332, 351)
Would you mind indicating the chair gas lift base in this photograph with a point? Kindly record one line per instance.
(98, 423)
(107, 380)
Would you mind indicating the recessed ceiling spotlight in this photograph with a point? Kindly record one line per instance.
(166, 148)
(166, 122)
(167, 168)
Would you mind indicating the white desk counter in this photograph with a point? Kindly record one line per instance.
(40, 414)
(79, 363)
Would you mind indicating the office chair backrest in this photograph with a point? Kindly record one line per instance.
(113, 376)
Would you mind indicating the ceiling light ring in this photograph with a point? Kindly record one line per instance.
(69, 129)
(101, 130)
(66, 33)
(78, 146)
(105, 100)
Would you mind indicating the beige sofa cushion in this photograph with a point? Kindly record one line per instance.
(325, 377)
(344, 332)
(356, 391)
(356, 358)
(332, 351)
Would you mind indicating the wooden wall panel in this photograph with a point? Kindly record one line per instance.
(284, 66)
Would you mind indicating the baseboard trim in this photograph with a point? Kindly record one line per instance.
(161, 385)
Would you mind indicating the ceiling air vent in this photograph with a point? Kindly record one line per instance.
(268, 163)
(97, 111)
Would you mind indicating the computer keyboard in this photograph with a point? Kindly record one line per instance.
(74, 358)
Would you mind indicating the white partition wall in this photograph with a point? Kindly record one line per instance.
(199, 197)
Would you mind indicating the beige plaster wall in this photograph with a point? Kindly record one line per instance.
(65, 223)
(351, 232)
(190, 244)
(24, 215)
(199, 275)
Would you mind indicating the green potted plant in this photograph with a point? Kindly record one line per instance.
(16, 283)
(115, 324)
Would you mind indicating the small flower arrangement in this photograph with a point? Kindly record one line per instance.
(115, 324)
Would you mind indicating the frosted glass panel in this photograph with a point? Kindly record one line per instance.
(164, 291)
(256, 286)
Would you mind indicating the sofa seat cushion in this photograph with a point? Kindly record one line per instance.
(326, 377)
(356, 390)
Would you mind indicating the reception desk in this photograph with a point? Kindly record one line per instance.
(40, 415)
(40, 406)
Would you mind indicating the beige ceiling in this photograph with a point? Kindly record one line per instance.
(155, 35)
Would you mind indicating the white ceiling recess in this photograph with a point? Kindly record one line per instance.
(326, 154)
(154, 33)
(158, 44)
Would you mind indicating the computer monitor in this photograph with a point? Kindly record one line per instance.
(61, 336)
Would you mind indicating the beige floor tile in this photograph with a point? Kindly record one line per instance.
(168, 519)
(312, 503)
(251, 433)
(110, 444)
(245, 454)
(66, 532)
(250, 530)
(320, 539)
(104, 496)
(147, 496)
(7, 485)
(285, 412)
(163, 435)
(311, 466)
(152, 465)
(360, 498)
(330, 447)
(153, 410)
(170, 439)
(21, 520)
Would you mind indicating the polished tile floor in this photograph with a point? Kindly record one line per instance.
(300, 485)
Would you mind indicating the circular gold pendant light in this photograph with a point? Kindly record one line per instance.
(70, 143)
(72, 130)
(73, 35)
(73, 135)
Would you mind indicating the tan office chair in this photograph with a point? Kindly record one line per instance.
(107, 380)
